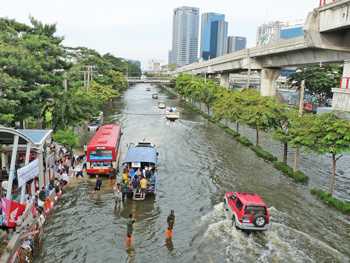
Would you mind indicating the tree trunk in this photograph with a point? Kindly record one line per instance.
(226, 123)
(242, 130)
(237, 127)
(296, 160)
(333, 174)
(285, 153)
(257, 136)
(208, 111)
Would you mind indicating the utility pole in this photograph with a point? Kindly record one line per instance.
(88, 76)
(301, 104)
(249, 67)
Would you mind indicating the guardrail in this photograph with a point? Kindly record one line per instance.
(324, 2)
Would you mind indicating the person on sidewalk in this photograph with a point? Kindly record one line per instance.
(171, 224)
(130, 228)
(98, 185)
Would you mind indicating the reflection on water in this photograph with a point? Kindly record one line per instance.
(198, 163)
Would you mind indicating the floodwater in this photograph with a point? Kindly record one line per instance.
(198, 163)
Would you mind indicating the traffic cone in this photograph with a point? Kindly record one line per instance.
(109, 181)
(113, 181)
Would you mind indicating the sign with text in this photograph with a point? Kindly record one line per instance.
(28, 172)
(11, 210)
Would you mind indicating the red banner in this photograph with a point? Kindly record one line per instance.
(11, 211)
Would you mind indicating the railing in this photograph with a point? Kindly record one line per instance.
(324, 2)
(344, 83)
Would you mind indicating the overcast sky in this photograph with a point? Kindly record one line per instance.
(140, 29)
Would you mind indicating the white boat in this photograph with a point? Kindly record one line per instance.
(172, 114)
(148, 89)
(161, 105)
(155, 96)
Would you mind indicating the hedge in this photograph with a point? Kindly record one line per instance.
(337, 203)
(298, 176)
(244, 140)
(264, 154)
(232, 132)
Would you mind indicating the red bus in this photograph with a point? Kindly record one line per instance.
(104, 150)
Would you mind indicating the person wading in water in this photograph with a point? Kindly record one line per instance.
(171, 224)
(130, 228)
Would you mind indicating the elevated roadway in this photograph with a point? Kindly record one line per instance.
(326, 39)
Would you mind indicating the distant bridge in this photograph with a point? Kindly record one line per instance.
(135, 80)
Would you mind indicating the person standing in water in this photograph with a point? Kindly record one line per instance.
(130, 228)
(171, 224)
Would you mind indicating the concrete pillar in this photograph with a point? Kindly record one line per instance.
(3, 160)
(225, 80)
(12, 167)
(268, 78)
(341, 96)
(23, 190)
(41, 170)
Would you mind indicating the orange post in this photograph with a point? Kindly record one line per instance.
(46, 206)
(128, 239)
(113, 181)
(109, 181)
(320, 2)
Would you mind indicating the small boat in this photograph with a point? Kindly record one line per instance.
(161, 105)
(148, 89)
(172, 114)
(154, 96)
(139, 156)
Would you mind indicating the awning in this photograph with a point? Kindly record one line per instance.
(141, 155)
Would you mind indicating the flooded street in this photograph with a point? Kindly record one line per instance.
(198, 163)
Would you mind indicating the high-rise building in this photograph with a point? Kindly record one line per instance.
(236, 43)
(185, 36)
(275, 31)
(213, 36)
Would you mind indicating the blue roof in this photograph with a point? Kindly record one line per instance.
(37, 136)
(141, 154)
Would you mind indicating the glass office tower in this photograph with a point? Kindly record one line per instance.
(213, 36)
(185, 36)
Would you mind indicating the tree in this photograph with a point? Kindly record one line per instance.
(173, 66)
(98, 93)
(29, 55)
(69, 109)
(319, 81)
(68, 139)
(117, 81)
(322, 134)
(259, 112)
(282, 131)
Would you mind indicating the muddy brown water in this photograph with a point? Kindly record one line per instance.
(198, 162)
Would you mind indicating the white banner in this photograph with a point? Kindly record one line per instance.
(28, 172)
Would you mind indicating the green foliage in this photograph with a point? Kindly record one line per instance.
(264, 154)
(28, 57)
(223, 126)
(231, 132)
(337, 203)
(244, 140)
(70, 109)
(298, 176)
(319, 81)
(173, 66)
(67, 138)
